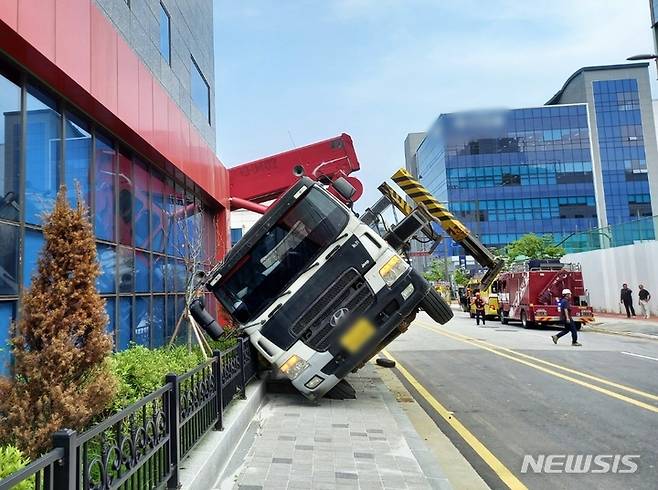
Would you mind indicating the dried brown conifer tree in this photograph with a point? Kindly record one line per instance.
(60, 346)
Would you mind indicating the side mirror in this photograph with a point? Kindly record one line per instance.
(205, 321)
(344, 188)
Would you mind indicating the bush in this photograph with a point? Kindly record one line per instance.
(60, 346)
(141, 370)
(12, 460)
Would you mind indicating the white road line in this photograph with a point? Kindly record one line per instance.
(640, 355)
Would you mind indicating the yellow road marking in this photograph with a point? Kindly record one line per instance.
(487, 456)
(558, 366)
(604, 391)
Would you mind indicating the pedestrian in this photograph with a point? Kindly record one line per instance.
(626, 299)
(644, 297)
(479, 309)
(567, 320)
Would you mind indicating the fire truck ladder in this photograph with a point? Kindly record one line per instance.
(453, 227)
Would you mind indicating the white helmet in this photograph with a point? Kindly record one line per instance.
(566, 291)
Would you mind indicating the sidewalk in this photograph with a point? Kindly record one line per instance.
(619, 324)
(367, 443)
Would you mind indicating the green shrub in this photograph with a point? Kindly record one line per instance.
(141, 371)
(12, 460)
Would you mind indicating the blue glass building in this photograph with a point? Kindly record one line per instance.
(581, 161)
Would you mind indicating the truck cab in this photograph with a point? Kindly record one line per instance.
(317, 290)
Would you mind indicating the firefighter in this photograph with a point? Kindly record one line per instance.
(479, 309)
(567, 320)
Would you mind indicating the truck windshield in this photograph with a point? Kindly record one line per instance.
(280, 255)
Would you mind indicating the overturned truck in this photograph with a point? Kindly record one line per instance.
(317, 289)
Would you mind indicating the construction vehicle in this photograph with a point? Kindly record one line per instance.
(529, 293)
(489, 295)
(316, 289)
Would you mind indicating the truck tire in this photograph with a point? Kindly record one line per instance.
(525, 323)
(436, 307)
(385, 362)
(342, 391)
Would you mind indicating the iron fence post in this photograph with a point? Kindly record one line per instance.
(219, 423)
(65, 470)
(243, 378)
(173, 420)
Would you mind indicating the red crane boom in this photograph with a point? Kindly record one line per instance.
(266, 179)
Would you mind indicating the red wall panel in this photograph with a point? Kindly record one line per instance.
(160, 118)
(145, 127)
(73, 40)
(9, 13)
(127, 84)
(103, 61)
(36, 22)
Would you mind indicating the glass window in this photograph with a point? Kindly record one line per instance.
(104, 189)
(110, 304)
(236, 234)
(107, 259)
(158, 273)
(165, 34)
(124, 327)
(200, 91)
(77, 154)
(170, 320)
(8, 259)
(7, 316)
(125, 199)
(42, 155)
(141, 205)
(263, 271)
(158, 321)
(142, 320)
(141, 272)
(33, 246)
(171, 210)
(10, 138)
(126, 263)
(159, 218)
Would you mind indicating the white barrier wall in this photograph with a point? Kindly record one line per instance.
(604, 271)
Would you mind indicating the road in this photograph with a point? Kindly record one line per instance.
(502, 393)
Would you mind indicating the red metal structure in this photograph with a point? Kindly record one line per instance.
(530, 291)
(266, 179)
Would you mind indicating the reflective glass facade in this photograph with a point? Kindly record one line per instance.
(622, 153)
(508, 173)
(141, 214)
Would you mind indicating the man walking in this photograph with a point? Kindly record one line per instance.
(479, 309)
(644, 297)
(626, 299)
(567, 320)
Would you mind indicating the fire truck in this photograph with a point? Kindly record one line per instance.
(529, 293)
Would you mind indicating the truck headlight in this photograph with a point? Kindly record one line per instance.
(393, 269)
(314, 382)
(294, 366)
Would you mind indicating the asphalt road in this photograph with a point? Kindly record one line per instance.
(502, 393)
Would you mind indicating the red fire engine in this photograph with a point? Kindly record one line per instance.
(529, 292)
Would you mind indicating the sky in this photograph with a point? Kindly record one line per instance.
(292, 72)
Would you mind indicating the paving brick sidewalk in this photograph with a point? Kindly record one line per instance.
(367, 443)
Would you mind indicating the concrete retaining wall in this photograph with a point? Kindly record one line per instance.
(604, 271)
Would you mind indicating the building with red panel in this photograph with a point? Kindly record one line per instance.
(116, 95)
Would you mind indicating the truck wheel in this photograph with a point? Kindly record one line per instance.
(435, 306)
(525, 323)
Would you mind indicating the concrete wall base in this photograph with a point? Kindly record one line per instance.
(208, 460)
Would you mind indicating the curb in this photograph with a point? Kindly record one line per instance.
(208, 460)
(637, 335)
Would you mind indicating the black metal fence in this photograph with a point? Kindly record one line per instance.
(142, 446)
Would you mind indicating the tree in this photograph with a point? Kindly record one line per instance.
(435, 272)
(461, 277)
(61, 375)
(532, 246)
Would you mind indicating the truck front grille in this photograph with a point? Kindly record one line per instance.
(349, 291)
